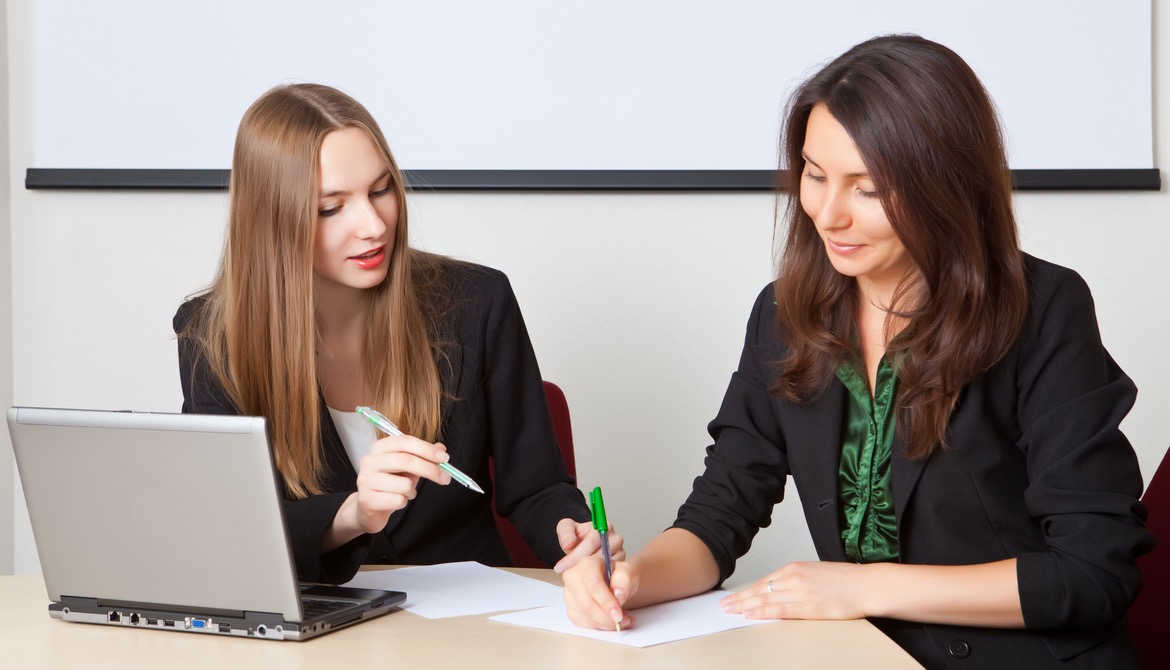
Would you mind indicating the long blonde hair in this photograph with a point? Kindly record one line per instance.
(258, 331)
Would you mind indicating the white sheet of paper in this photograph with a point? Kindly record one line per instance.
(679, 620)
(460, 589)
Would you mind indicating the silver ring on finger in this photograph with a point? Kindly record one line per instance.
(769, 586)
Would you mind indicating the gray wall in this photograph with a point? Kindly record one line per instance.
(6, 464)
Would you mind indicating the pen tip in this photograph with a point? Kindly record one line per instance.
(475, 487)
(617, 627)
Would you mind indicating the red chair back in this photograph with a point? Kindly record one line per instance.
(1149, 617)
(558, 409)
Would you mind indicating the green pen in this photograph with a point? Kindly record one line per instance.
(387, 426)
(601, 525)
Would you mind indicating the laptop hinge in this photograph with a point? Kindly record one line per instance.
(162, 607)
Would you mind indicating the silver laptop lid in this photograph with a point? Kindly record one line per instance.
(170, 509)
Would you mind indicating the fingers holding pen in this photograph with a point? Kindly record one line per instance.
(388, 477)
(408, 457)
(590, 602)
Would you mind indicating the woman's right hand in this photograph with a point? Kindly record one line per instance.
(590, 603)
(388, 478)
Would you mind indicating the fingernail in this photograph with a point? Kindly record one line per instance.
(442, 457)
(619, 594)
(616, 615)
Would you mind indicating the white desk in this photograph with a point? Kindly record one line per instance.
(30, 639)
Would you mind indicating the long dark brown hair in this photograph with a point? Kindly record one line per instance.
(931, 141)
(258, 331)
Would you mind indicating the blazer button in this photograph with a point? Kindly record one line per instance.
(959, 649)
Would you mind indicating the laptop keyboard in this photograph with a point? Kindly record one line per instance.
(315, 607)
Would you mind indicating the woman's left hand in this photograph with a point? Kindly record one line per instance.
(578, 540)
(813, 590)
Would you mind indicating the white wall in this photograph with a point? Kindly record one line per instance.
(636, 303)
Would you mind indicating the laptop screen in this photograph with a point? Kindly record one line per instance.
(169, 509)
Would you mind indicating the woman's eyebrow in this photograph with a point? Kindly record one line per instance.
(330, 194)
(851, 175)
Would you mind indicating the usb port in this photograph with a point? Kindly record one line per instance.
(225, 627)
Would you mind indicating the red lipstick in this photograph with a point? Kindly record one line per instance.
(371, 259)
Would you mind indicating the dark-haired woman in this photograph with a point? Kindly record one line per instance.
(942, 400)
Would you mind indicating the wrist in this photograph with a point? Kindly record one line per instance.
(346, 525)
(874, 580)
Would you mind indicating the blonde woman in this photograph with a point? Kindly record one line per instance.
(320, 305)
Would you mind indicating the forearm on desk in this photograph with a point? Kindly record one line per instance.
(971, 595)
(674, 565)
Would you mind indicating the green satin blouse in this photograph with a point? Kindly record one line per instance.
(868, 527)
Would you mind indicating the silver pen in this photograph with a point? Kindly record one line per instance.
(387, 426)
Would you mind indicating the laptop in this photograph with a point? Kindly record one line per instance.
(170, 522)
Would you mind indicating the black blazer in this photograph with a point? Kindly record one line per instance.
(496, 410)
(1036, 469)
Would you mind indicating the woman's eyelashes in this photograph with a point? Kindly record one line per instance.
(326, 212)
(821, 179)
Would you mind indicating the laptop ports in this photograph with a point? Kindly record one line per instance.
(114, 617)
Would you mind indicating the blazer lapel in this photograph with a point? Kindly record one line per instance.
(340, 475)
(904, 476)
(813, 435)
(450, 377)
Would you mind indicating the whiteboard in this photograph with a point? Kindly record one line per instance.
(566, 85)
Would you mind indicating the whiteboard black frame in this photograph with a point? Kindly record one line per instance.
(1143, 179)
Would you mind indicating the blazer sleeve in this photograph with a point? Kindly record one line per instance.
(1084, 480)
(746, 467)
(533, 490)
(305, 519)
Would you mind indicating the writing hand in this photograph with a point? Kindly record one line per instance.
(590, 603)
